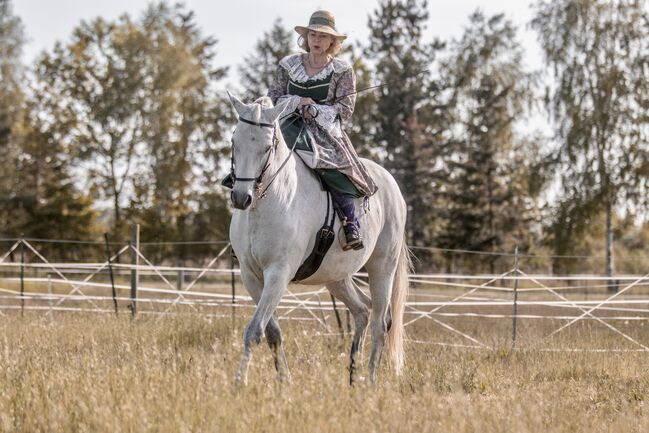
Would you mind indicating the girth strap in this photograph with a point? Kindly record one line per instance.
(323, 241)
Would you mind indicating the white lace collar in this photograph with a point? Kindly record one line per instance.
(297, 72)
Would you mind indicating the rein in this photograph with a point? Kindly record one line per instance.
(259, 178)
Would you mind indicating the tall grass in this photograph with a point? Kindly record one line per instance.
(91, 373)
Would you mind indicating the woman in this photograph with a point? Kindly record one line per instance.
(322, 93)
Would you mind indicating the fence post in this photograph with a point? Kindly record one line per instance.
(232, 283)
(515, 313)
(134, 245)
(49, 290)
(180, 275)
(110, 271)
(22, 276)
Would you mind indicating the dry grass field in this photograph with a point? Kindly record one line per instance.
(98, 373)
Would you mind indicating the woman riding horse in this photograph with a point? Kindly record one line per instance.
(321, 89)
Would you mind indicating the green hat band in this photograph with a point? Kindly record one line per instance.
(322, 21)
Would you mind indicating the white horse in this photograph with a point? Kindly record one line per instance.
(273, 234)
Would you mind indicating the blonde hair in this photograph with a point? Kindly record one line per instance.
(334, 48)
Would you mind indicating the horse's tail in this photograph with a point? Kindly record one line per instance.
(396, 334)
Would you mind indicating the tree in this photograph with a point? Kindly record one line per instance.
(97, 78)
(596, 51)
(489, 207)
(259, 67)
(12, 39)
(184, 119)
(410, 113)
(363, 125)
(146, 120)
(53, 207)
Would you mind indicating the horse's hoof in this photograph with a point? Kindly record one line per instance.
(240, 381)
(284, 379)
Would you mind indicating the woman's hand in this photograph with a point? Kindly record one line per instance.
(305, 101)
(305, 107)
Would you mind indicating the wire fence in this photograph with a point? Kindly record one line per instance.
(468, 311)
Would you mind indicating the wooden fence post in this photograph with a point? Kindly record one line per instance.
(232, 284)
(180, 275)
(134, 245)
(515, 313)
(49, 291)
(22, 276)
(110, 271)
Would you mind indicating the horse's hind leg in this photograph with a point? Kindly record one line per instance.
(381, 276)
(358, 304)
(274, 339)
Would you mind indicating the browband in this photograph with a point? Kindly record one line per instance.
(250, 122)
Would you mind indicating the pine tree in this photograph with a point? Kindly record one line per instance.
(410, 115)
(488, 208)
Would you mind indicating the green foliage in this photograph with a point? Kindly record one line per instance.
(362, 127)
(488, 205)
(125, 115)
(409, 119)
(596, 51)
(12, 38)
(144, 118)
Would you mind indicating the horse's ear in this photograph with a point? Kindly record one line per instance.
(279, 109)
(239, 106)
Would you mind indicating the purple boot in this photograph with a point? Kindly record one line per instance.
(347, 210)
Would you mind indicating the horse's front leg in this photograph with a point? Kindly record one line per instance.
(275, 281)
(274, 339)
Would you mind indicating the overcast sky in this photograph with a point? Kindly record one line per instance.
(237, 24)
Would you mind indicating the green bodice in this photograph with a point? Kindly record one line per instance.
(317, 90)
(314, 89)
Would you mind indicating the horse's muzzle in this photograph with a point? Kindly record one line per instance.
(241, 200)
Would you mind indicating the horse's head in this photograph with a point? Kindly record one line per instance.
(254, 142)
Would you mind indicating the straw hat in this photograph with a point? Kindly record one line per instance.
(321, 21)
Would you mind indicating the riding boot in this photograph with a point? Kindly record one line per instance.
(347, 210)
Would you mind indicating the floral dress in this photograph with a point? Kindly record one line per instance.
(321, 142)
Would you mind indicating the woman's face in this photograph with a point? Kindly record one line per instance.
(319, 42)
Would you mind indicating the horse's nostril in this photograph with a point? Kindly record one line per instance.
(248, 201)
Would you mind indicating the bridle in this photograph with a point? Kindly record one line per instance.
(258, 180)
(270, 150)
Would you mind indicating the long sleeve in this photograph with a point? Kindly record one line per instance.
(279, 86)
(345, 95)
